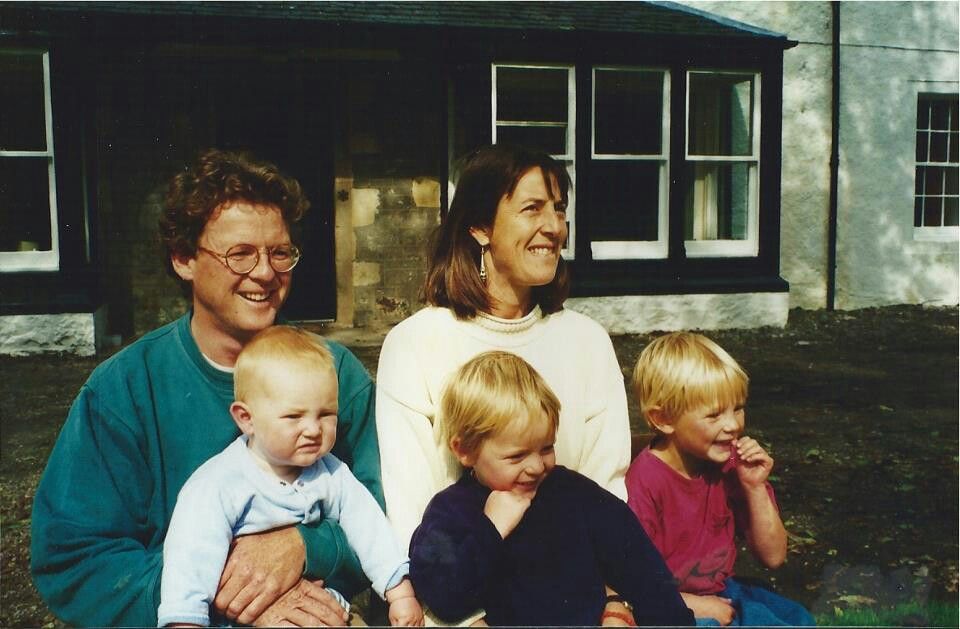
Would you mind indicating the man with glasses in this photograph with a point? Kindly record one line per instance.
(150, 415)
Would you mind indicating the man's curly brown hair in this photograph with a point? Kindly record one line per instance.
(219, 178)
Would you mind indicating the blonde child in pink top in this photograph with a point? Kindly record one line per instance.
(701, 483)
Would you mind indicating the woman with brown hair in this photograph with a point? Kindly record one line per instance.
(497, 281)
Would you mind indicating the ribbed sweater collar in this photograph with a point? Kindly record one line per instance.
(509, 326)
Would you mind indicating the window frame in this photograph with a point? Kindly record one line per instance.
(18, 261)
(750, 246)
(932, 233)
(638, 249)
(569, 159)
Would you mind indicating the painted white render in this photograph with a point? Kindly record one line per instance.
(71, 333)
(889, 52)
(637, 314)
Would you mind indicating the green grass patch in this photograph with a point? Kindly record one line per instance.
(931, 614)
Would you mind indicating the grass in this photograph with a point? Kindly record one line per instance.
(931, 614)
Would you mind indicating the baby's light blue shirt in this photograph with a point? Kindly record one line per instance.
(232, 495)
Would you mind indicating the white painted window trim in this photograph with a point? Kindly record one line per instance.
(38, 260)
(568, 158)
(933, 233)
(636, 249)
(750, 246)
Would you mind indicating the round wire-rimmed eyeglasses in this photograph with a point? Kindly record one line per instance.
(242, 259)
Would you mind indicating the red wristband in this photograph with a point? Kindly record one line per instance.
(627, 618)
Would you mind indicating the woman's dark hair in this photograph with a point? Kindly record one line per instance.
(215, 180)
(486, 176)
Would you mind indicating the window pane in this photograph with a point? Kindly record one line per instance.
(24, 205)
(923, 113)
(933, 184)
(717, 201)
(22, 116)
(951, 187)
(922, 140)
(954, 140)
(553, 140)
(918, 210)
(950, 211)
(940, 115)
(532, 94)
(932, 207)
(720, 120)
(624, 200)
(628, 112)
(938, 147)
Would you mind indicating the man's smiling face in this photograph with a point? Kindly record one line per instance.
(226, 303)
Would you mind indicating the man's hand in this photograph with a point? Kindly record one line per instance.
(505, 509)
(710, 606)
(753, 464)
(259, 570)
(306, 605)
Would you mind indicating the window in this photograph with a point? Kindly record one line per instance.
(28, 207)
(626, 167)
(935, 214)
(629, 147)
(534, 106)
(721, 162)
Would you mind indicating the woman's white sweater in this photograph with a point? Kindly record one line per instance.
(572, 352)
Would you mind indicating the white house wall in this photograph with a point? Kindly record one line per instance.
(890, 51)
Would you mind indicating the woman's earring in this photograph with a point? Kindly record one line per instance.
(483, 265)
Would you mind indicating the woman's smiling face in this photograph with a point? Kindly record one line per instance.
(524, 242)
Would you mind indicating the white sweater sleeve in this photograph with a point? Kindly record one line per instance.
(411, 461)
(606, 445)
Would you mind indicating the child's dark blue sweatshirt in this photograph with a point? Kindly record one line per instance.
(551, 570)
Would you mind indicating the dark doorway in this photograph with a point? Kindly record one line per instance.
(279, 109)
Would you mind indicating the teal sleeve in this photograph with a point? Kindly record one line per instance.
(357, 426)
(329, 556)
(91, 524)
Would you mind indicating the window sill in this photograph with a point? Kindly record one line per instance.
(936, 234)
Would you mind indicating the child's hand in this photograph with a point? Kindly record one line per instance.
(753, 464)
(405, 610)
(709, 606)
(505, 509)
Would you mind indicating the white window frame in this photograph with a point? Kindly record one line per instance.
(932, 233)
(38, 260)
(749, 246)
(568, 158)
(638, 249)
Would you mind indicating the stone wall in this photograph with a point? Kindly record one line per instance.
(387, 189)
(392, 222)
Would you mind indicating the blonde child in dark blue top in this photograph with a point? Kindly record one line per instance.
(525, 540)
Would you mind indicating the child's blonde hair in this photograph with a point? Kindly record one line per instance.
(680, 371)
(491, 392)
(293, 347)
